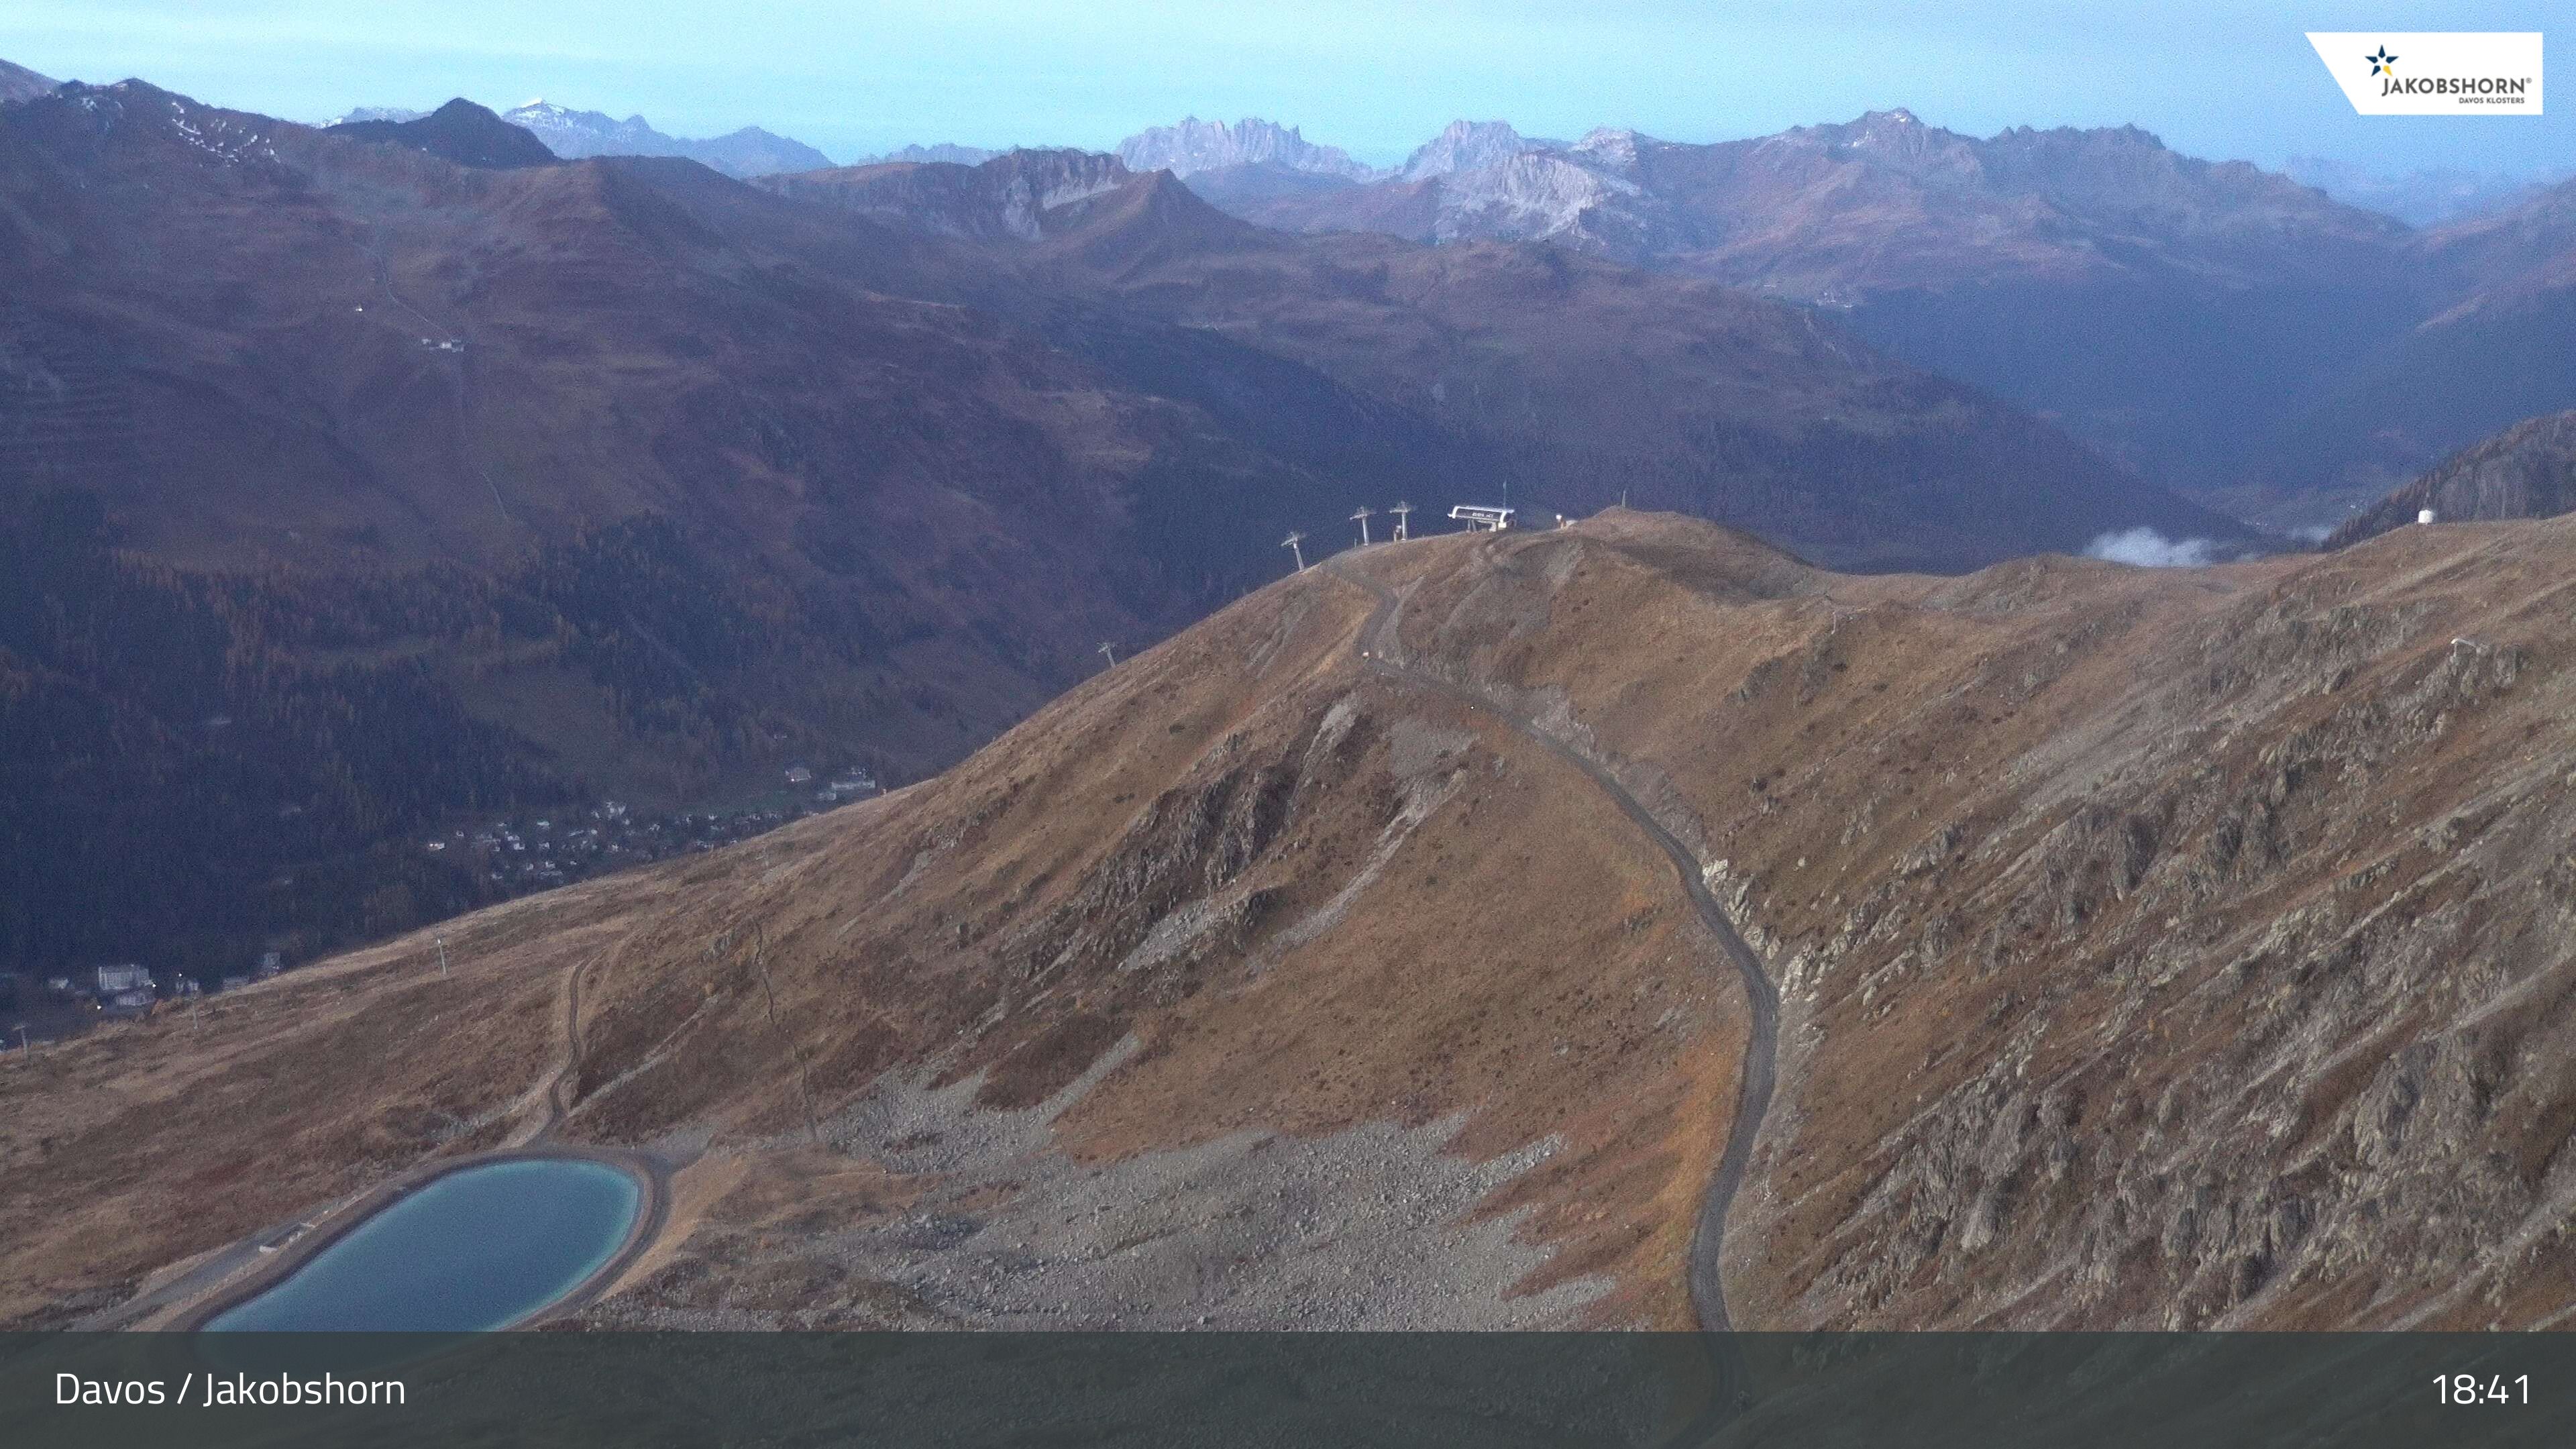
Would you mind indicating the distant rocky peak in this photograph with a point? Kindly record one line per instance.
(1195, 145)
(1465, 146)
(459, 131)
(1897, 131)
(747, 152)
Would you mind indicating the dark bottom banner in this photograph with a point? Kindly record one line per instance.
(638, 1391)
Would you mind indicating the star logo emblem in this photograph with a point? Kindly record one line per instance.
(2383, 63)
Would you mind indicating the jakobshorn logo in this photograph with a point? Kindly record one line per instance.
(2447, 73)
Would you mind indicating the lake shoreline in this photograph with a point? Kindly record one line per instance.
(650, 1175)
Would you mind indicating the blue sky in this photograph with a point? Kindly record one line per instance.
(2214, 77)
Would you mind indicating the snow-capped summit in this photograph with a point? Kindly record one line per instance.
(590, 133)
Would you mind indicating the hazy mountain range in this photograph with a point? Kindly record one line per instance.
(2242, 334)
(2260, 339)
(2203, 322)
(932, 431)
(615, 476)
(2418, 198)
(944, 151)
(749, 151)
(571, 133)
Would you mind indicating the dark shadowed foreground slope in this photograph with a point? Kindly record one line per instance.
(2153, 948)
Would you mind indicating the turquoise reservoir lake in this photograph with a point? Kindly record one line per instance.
(481, 1247)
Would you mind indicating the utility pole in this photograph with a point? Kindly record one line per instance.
(1361, 518)
(1403, 518)
(1105, 648)
(1292, 545)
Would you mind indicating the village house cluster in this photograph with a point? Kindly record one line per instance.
(539, 852)
(514, 856)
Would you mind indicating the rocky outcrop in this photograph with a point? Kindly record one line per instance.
(1008, 198)
(1465, 146)
(2527, 471)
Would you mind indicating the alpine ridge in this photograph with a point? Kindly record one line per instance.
(2093, 897)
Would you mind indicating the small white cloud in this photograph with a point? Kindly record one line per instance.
(2148, 549)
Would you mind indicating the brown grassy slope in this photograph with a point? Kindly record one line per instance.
(1337, 841)
(2162, 949)
(140, 1145)
(2155, 948)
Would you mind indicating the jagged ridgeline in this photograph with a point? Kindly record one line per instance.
(198, 763)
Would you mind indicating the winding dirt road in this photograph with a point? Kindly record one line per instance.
(1381, 651)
